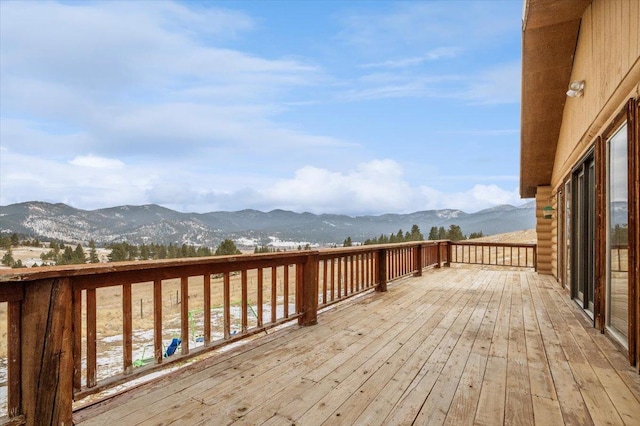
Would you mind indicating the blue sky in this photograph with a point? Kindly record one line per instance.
(328, 107)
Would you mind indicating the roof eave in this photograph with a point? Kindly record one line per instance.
(550, 34)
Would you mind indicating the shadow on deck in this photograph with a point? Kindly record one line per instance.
(460, 345)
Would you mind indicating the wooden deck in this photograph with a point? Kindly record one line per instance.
(460, 345)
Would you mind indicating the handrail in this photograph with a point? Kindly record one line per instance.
(53, 311)
(519, 255)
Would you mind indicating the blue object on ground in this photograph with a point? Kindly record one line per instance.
(173, 346)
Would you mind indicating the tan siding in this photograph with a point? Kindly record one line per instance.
(608, 59)
(634, 35)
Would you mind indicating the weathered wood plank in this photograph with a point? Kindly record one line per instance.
(91, 338)
(157, 321)
(77, 339)
(127, 330)
(359, 390)
(47, 361)
(274, 294)
(572, 405)
(437, 406)
(491, 403)
(260, 301)
(244, 302)
(452, 346)
(206, 283)
(184, 315)
(546, 408)
(14, 359)
(410, 404)
(213, 372)
(519, 406)
(291, 397)
(465, 401)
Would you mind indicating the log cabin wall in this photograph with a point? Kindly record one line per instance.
(544, 201)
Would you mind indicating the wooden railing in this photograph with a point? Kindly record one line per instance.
(60, 317)
(494, 254)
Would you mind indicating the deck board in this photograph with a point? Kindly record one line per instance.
(461, 345)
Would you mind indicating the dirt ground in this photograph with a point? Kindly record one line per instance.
(527, 236)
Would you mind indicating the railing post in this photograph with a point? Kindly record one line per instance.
(382, 270)
(47, 352)
(535, 258)
(438, 254)
(418, 260)
(14, 359)
(309, 287)
(447, 263)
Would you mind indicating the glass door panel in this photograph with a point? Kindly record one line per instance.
(583, 234)
(617, 236)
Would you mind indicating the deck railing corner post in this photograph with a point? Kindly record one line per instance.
(449, 246)
(47, 362)
(418, 260)
(309, 296)
(382, 270)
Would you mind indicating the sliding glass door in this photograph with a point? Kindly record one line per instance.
(582, 241)
(618, 236)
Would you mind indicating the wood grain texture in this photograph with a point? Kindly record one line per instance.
(458, 345)
(47, 360)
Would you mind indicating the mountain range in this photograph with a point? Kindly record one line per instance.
(156, 224)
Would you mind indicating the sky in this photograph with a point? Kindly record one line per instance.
(351, 107)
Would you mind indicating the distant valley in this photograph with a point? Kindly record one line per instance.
(156, 224)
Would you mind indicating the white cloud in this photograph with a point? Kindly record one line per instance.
(145, 80)
(75, 182)
(374, 187)
(94, 162)
(432, 55)
(477, 198)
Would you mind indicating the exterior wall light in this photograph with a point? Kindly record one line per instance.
(576, 89)
(547, 212)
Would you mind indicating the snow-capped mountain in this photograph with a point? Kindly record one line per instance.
(153, 223)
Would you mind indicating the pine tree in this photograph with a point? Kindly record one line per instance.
(118, 253)
(433, 233)
(347, 242)
(78, 256)
(144, 252)
(416, 235)
(7, 259)
(93, 253)
(455, 233)
(227, 247)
